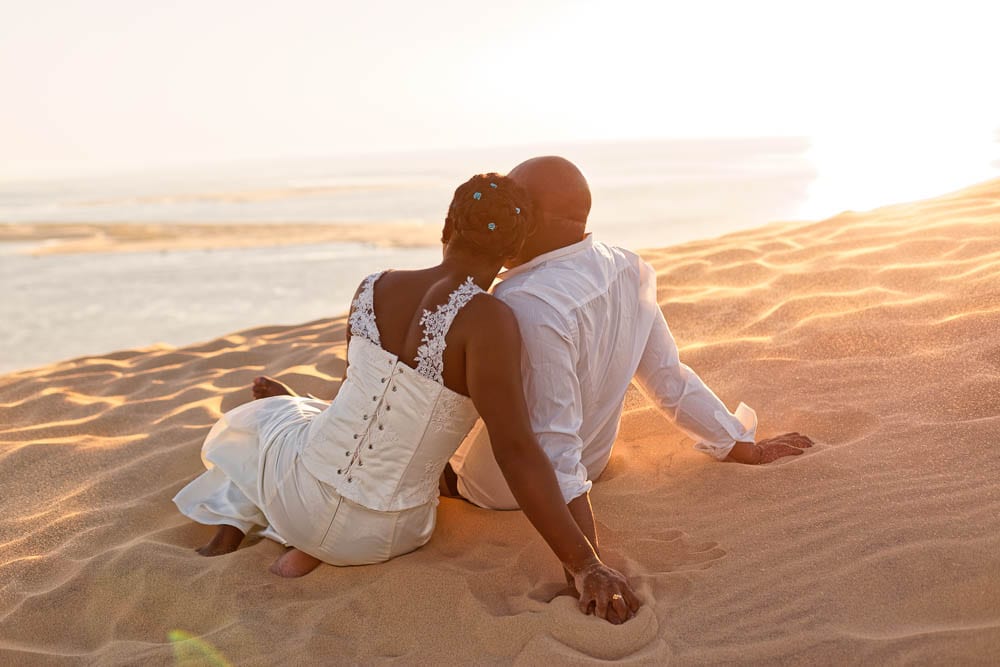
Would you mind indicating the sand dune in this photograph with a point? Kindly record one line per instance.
(876, 333)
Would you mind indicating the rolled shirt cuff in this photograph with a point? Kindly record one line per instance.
(740, 426)
(572, 487)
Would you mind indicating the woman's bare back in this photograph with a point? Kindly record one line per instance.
(400, 300)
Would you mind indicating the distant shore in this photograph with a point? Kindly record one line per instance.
(95, 237)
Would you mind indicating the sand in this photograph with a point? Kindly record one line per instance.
(875, 333)
(87, 237)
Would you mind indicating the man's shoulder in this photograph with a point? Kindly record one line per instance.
(567, 282)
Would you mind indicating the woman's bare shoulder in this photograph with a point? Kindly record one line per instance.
(486, 313)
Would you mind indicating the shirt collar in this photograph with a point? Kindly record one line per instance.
(559, 253)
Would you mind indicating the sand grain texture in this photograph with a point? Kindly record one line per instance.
(876, 333)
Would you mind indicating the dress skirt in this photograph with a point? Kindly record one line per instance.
(254, 478)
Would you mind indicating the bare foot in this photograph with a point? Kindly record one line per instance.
(227, 539)
(294, 563)
(265, 387)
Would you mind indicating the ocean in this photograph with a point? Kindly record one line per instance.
(646, 194)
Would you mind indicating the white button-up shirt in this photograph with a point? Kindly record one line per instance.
(590, 322)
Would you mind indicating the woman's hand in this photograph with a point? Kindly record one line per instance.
(605, 593)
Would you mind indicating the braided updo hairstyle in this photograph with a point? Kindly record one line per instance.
(489, 214)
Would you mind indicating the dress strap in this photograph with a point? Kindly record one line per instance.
(430, 355)
(363, 311)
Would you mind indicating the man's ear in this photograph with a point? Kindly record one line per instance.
(532, 227)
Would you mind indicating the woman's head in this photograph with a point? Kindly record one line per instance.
(489, 216)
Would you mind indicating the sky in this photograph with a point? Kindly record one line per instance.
(877, 86)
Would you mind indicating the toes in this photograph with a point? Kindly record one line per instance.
(262, 387)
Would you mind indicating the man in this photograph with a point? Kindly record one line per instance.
(590, 323)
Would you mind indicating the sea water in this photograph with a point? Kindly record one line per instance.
(645, 194)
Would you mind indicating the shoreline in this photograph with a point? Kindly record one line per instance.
(87, 240)
(97, 237)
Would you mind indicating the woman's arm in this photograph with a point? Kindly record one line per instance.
(493, 369)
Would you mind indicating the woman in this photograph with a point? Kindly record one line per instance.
(428, 351)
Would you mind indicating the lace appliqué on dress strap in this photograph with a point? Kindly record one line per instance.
(430, 355)
(363, 311)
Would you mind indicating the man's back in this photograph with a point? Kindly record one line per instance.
(585, 313)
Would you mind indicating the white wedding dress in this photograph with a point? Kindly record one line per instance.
(350, 482)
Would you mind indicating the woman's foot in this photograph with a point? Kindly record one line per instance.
(227, 539)
(265, 387)
(294, 563)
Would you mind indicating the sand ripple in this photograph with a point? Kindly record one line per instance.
(877, 333)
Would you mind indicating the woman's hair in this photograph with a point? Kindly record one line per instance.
(489, 214)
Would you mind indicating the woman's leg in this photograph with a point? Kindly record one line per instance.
(214, 499)
(228, 538)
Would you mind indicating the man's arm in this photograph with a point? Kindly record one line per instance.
(771, 449)
(682, 396)
(555, 401)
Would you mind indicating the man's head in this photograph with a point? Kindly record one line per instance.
(560, 205)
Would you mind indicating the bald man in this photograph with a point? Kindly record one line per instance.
(590, 324)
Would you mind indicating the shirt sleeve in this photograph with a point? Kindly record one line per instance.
(682, 396)
(552, 389)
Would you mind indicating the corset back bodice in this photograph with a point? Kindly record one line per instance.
(385, 439)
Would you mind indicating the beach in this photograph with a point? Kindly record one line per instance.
(876, 333)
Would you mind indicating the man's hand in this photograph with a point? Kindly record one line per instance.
(771, 449)
(788, 444)
(605, 593)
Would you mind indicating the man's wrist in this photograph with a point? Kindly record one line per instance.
(749, 453)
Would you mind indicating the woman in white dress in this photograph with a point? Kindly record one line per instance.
(356, 481)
